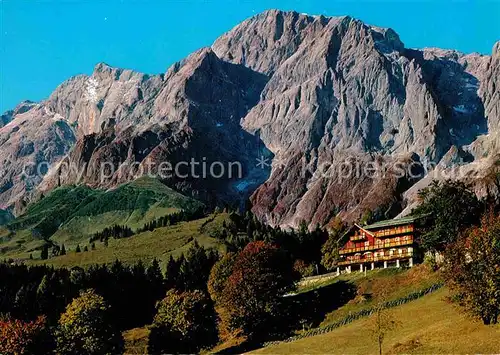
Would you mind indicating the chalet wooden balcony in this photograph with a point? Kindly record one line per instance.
(376, 246)
(394, 231)
(358, 237)
(371, 258)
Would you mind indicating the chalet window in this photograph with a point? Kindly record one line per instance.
(367, 244)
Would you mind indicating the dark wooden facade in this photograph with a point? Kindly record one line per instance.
(380, 244)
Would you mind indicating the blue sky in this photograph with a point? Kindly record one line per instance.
(42, 43)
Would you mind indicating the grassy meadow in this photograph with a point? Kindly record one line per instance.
(160, 243)
(382, 285)
(428, 325)
(69, 215)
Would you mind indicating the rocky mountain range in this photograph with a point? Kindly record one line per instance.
(348, 118)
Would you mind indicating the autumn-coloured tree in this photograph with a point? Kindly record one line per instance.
(20, 337)
(184, 323)
(249, 304)
(301, 268)
(85, 327)
(472, 269)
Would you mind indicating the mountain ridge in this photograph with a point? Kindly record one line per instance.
(309, 91)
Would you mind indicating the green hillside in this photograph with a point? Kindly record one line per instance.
(160, 243)
(70, 214)
(382, 285)
(319, 304)
(5, 217)
(429, 325)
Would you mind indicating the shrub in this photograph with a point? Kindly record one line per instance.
(184, 323)
(85, 327)
(302, 268)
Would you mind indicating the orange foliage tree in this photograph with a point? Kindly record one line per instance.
(20, 337)
(473, 269)
(247, 290)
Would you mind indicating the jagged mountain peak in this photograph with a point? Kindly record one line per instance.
(21, 108)
(496, 49)
(202, 57)
(310, 90)
(340, 88)
(102, 66)
(268, 39)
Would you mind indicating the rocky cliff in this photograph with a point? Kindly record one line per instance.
(352, 120)
(343, 95)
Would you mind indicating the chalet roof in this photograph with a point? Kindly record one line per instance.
(394, 222)
(364, 229)
(355, 225)
(383, 224)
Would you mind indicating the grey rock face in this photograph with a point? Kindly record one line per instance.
(322, 94)
(344, 90)
(21, 108)
(29, 143)
(490, 89)
(125, 121)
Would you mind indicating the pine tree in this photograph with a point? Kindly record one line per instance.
(142, 312)
(85, 248)
(22, 301)
(250, 229)
(45, 252)
(171, 273)
(77, 250)
(63, 250)
(93, 246)
(155, 279)
(43, 295)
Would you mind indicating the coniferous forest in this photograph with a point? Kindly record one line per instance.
(204, 297)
